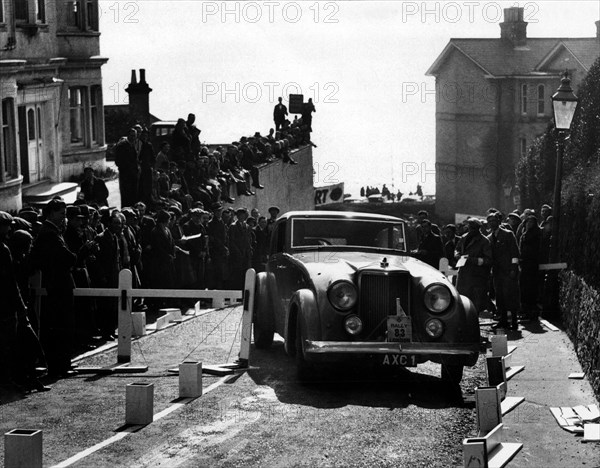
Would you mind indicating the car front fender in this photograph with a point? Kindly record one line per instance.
(303, 307)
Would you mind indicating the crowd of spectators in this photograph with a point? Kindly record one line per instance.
(173, 231)
(497, 258)
(182, 171)
(83, 245)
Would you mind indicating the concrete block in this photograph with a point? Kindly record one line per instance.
(174, 314)
(190, 379)
(138, 320)
(23, 448)
(139, 403)
(162, 321)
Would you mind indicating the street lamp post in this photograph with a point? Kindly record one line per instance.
(564, 103)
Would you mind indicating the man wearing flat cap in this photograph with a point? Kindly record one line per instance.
(51, 255)
(273, 213)
(474, 252)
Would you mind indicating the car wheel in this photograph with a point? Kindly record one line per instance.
(304, 370)
(264, 326)
(452, 373)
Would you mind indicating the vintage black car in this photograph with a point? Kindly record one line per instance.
(341, 287)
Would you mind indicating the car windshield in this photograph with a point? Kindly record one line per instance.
(361, 233)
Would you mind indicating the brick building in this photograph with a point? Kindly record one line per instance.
(493, 100)
(51, 91)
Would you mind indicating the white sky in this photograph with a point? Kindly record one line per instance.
(356, 59)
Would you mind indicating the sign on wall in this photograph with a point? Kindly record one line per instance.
(329, 194)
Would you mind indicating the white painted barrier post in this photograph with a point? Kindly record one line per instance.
(23, 448)
(124, 322)
(139, 403)
(474, 453)
(190, 379)
(249, 289)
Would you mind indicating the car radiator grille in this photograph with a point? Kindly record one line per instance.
(377, 300)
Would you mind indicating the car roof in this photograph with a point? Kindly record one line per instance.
(164, 122)
(337, 214)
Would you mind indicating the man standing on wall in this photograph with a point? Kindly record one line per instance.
(280, 112)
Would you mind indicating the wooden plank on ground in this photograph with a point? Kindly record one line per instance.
(548, 325)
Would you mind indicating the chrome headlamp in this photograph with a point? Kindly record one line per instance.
(342, 295)
(437, 298)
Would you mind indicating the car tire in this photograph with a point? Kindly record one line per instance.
(264, 327)
(304, 370)
(452, 373)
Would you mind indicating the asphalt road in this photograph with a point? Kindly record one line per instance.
(262, 417)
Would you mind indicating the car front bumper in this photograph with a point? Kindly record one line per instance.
(331, 351)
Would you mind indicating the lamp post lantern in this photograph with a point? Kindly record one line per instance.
(564, 103)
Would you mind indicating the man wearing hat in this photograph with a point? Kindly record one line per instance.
(505, 271)
(51, 255)
(240, 248)
(13, 308)
(218, 241)
(273, 213)
(474, 259)
(280, 112)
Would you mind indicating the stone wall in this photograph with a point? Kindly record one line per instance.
(580, 310)
(290, 187)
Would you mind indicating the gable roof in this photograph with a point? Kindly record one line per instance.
(498, 57)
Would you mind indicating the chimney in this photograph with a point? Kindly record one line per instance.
(513, 29)
(139, 98)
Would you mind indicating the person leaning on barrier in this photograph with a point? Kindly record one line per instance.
(474, 275)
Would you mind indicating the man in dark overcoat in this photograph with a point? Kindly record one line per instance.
(240, 248)
(473, 276)
(505, 271)
(51, 255)
(126, 159)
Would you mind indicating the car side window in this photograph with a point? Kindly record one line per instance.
(278, 239)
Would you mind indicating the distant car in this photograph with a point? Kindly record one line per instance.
(161, 131)
(340, 287)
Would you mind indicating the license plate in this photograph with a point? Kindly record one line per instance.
(399, 328)
(404, 360)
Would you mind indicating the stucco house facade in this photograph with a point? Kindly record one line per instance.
(493, 100)
(51, 92)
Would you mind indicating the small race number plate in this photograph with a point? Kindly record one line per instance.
(405, 360)
(399, 328)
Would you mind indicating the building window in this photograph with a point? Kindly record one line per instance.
(523, 147)
(35, 8)
(82, 15)
(8, 150)
(21, 11)
(77, 115)
(95, 100)
(523, 99)
(40, 11)
(1, 12)
(541, 105)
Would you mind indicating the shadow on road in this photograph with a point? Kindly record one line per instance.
(341, 386)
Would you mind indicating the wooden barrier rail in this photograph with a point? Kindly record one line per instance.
(126, 293)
